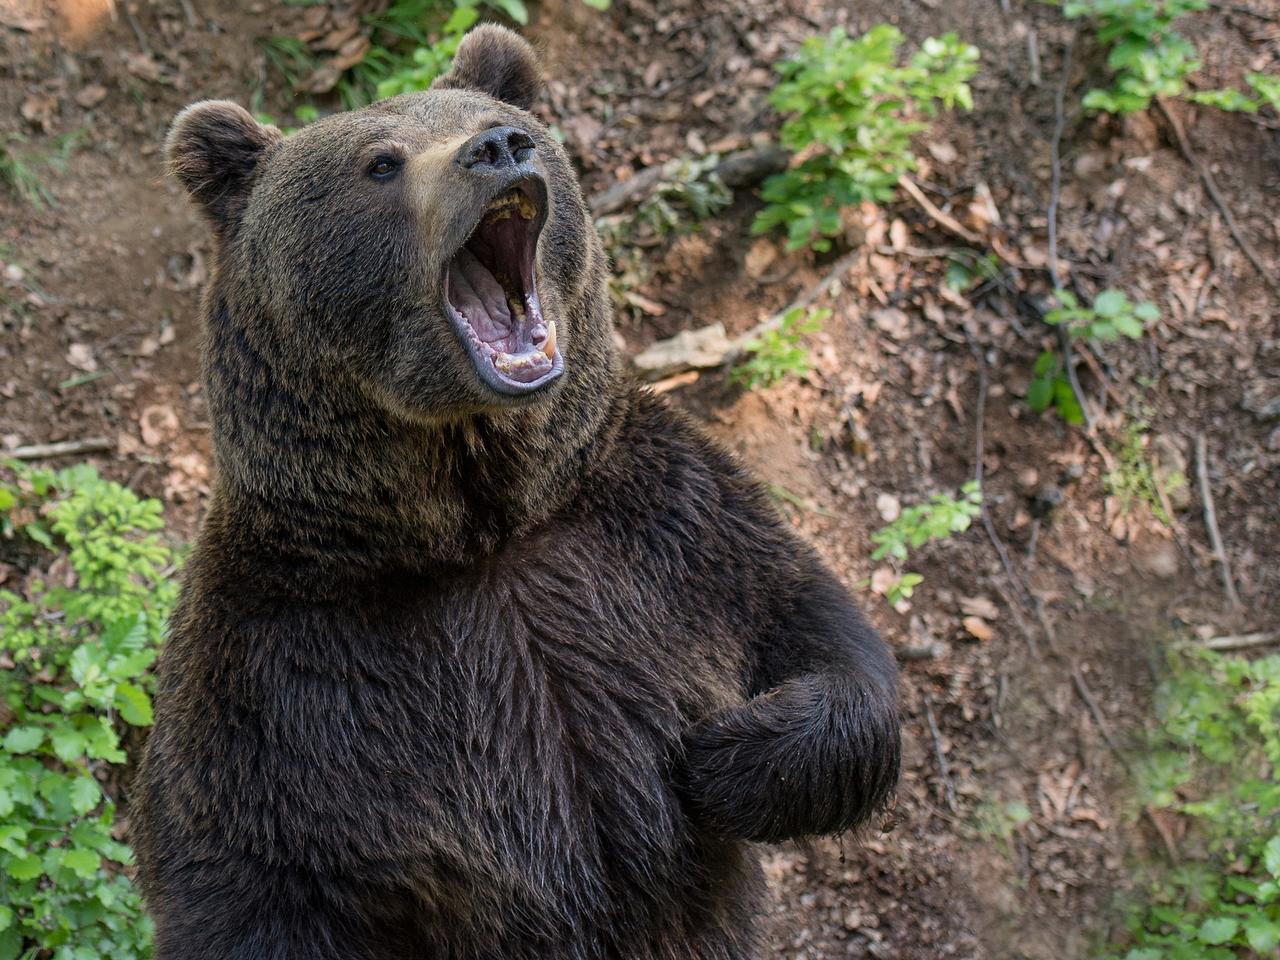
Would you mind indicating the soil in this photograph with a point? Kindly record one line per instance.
(1026, 679)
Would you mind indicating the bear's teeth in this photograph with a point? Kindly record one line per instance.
(549, 347)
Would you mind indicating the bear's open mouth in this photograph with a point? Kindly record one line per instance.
(491, 293)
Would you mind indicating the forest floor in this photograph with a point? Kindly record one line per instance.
(1026, 678)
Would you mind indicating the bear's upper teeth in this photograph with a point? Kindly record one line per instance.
(501, 207)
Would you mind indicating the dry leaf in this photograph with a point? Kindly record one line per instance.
(92, 95)
(158, 425)
(981, 607)
(977, 628)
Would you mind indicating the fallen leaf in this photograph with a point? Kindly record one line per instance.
(158, 425)
(980, 607)
(977, 628)
(92, 95)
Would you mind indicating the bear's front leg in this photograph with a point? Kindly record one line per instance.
(817, 749)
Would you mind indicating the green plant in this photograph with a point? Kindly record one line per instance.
(18, 169)
(76, 645)
(852, 110)
(1267, 90)
(778, 353)
(1146, 55)
(1110, 317)
(415, 41)
(939, 518)
(1213, 760)
(690, 191)
(1051, 388)
(1133, 480)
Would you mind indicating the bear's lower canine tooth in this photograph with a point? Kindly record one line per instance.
(549, 347)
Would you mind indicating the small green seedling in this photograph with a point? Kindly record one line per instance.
(852, 110)
(1110, 317)
(777, 354)
(939, 518)
(1051, 388)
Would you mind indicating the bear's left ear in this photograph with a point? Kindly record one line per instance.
(215, 148)
(496, 61)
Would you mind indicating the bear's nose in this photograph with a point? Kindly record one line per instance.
(496, 148)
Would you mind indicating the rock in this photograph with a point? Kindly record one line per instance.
(1262, 398)
(1157, 557)
(889, 507)
(1046, 499)
(762, 255)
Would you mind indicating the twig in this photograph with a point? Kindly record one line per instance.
(1020, 588)
(1082, 688)
(1245, 11)
(1055, 195)
(1211, 187)
(944, 768)
(1211, 520)
(43, 451)
(743, 168)
(1244, 641)
(951, 224)
(738, 344)
(189, 13)
(137, 30)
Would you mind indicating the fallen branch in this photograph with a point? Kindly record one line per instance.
(1211, 187)
(1082, 688)
(1211, 520)
(1243, 641)
(43, 451)
(951, 224)
(944, 768)
(744, 168)
(707, 348)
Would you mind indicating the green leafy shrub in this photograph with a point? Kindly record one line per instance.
(1146, 55)
(1214, 759)
(777, 354)
(415, 41)
(75, 648)
(1267, 90)
(852, 110)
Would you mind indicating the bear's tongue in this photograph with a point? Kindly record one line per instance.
(511, 335)
(478, 296)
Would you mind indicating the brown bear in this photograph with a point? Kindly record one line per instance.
(484, 652)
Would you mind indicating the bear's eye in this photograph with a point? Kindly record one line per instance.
(383, 168)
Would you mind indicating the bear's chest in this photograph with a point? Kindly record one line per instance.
(519, 729)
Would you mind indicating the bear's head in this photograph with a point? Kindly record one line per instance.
(408, 343)
(431, 252)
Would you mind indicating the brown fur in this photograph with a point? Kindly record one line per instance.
(455, 675)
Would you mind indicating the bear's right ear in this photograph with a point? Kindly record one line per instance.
(214, 148)
(496, 61)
